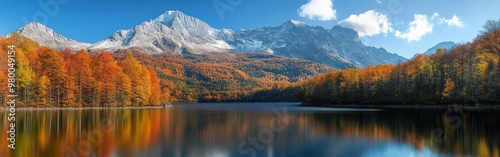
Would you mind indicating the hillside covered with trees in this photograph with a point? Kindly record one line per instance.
(47, 77)
(467, 74)
(230, 77)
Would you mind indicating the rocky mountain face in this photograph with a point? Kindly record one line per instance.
(443, 45)
(338, 47)
(48, 37)
(172, 32)
(176, 33)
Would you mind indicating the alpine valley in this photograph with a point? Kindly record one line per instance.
(191, 60)
(178, 34)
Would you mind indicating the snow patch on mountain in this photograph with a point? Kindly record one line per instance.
(48, 37)
(175, 33)
(298, 23)
(172, 32)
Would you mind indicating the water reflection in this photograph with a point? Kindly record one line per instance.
(245, 129)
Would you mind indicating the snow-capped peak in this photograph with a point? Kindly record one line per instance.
(168, 17)
(48, 37)
(35, 27)
(171, 32)
(176, 33)
(295, 23)
(171, 12)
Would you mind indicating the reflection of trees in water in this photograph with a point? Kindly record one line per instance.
(476, 135)
(62, 132)
(84, 132)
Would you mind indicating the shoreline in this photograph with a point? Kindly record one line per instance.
(79, 108)
(467, 107)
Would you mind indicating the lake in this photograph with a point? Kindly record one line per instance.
(253, 129)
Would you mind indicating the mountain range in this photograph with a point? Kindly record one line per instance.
(49, 37)
(177, 33)
(442, 45)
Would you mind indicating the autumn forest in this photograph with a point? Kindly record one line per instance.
(46, 77)
(50, 78)
(466, 74)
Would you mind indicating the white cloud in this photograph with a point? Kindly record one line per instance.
(379, 2)
(318, 10)
(368, 23)
(454, 21)
(434, 16)
(372, 23)
(419, 27)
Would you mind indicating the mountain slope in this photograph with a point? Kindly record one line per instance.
(223, 77)
(448, 45)
(337, 47)
(48, 37)
(176, 33)
(172, 32)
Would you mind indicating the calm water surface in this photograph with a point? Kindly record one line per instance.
(253, 129)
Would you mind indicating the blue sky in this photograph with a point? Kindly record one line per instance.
(405, 27)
